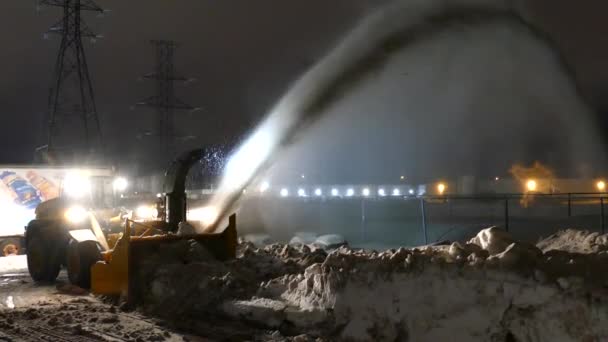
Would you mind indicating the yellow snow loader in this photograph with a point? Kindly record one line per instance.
(105, 262)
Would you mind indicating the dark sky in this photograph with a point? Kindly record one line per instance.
(243, 53)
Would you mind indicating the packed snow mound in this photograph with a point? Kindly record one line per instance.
(184, 278)
(13, 264)
(259, 240)
(303, 238)
(493, 239)
(330, 241)
(493, 288)
(575, 241)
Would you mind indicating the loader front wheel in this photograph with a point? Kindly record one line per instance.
(81, 257)
(42, 259)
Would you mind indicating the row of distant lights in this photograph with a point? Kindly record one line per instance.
(366, 192)
(349, 192)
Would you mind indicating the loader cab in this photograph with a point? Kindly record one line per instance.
(92, 189)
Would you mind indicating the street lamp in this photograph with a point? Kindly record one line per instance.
(531, 185)
(441, 188)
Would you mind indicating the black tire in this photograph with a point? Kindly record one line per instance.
(10, 246)
(42, 259)
(80, 257)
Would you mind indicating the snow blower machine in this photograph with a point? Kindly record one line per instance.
(105, 262)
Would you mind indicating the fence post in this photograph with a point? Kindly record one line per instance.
(363, 220)
(423, 210)
(506, 214)
(569, 205)
(602, 214)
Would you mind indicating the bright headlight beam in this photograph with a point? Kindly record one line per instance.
(205, 215)
(76, 184)
(335, 192)
(350, 192)
(301, 192)
(318, 192)
(284, 192)
(396, 192)
(264, 186)
(365, 192)
(146, 212)
(120, 184)
(381, 192)
(76, 214)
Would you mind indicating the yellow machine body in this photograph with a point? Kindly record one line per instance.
(113, 275)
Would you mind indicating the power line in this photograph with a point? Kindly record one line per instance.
(165, 100)
(74, 131)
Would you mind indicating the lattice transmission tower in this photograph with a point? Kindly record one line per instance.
(74, 131)
(165, 100)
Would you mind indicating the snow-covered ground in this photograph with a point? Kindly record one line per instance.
(13, 264)
(491, 288)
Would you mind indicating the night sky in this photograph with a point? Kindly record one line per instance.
(243, 54)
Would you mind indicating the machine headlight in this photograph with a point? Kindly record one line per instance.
(120, 184)
(146, 212)
(205, 215)
(76, 184)
(76, 214)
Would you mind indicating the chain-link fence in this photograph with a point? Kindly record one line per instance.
(411, 221)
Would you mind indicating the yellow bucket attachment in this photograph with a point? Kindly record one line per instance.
(113, 275)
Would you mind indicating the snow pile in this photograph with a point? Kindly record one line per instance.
(575, 241)
(259, 240)
(184, 279)
(13, 264)
(491, 288)
(460, 292)
(303, 238)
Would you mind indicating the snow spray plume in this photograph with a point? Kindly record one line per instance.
(366, 50)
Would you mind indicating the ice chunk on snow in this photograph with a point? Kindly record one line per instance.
(330, 241)
(259, 240)
(264, 310)
(9, 302)
(303, 238)
(185, 228)
(575, 241)
(493, 239)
